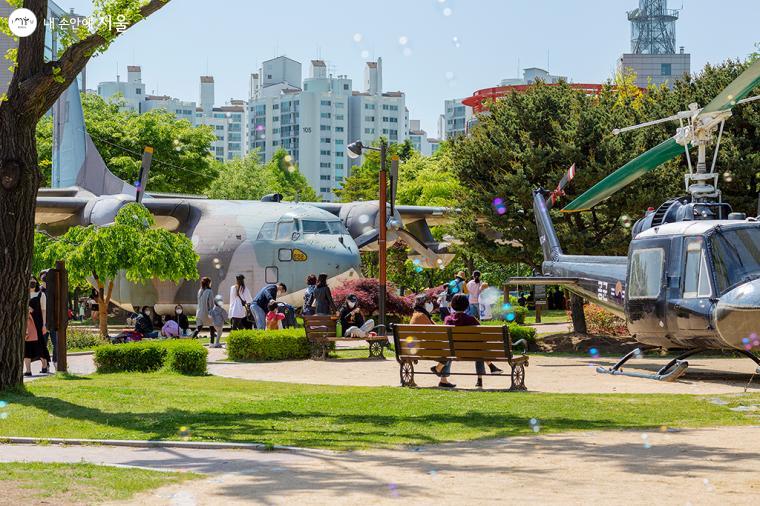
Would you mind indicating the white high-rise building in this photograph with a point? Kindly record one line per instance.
(375, 113)
(316, 119)
(179, 108)
(132, 92)
(228, 122)
(420, 140)
(455, 118)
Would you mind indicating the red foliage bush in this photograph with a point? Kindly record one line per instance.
(601, 321)
(367, 291)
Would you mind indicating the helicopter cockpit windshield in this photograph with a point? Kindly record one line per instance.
(736, 256)
(322, 227)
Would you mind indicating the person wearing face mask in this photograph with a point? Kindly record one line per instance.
(260, 304)
(352, 320)
(423, 308)
(144, 323)
(37, 350)
(181, 318)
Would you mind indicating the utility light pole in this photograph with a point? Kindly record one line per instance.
(354, 151)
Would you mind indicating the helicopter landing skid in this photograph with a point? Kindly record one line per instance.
(670, 372)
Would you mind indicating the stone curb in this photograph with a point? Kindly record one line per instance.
(195, 445)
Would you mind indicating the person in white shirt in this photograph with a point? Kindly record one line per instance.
(473, 292)
(443, 304)
(240, 297)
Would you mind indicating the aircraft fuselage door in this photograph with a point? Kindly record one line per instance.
(692, 302)
(646, 309)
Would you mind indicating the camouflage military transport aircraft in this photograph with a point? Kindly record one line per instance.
(266, 241)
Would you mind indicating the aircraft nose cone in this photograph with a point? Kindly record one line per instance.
(737, 314)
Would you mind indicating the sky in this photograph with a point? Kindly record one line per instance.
(452, 47)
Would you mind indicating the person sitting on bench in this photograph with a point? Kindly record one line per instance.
(460, 304)
(352, 320)
(421, 316)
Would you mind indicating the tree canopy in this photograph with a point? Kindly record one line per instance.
(249, 179)
(131, 245)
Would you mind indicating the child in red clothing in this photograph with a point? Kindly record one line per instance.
(274, 318)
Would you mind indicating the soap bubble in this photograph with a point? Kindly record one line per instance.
(637, 353)
(3, 415)
(411, 345)
(593, 352)
(499, 206)
(363, 219)
(728, 177)
(453, 286)
(490, 295)
(455, 40)
(184, 433)
(534, 424)
(626, 221)
(407, 51)
(645, 439)
(288, 159)
(393, 489)
(447, 11)
(3, 404)
(365, 53)
(708, 485)
(418, 269)
(358, 37)
(510, 317)
(449, 75)
(403, 40)
(416, 261)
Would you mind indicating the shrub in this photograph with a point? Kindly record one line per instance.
(517, 332)
(80, 339)
(186, 357)
(129, 357)
(367, 291)
(520, 313)
(601, 321)
(288, 344)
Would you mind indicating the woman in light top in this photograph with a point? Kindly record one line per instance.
(473, 292)
(240, 297)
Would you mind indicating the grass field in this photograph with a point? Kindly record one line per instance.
(37, 483)
(155, 406)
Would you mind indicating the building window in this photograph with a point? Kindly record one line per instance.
(369, 118)
(339, 105)
(325, 140)
(324, 152)
(369, 107)
(339, 117)
(325, 102)
(325, 178)
(325, 115)
(276, 106)
(324, 190)
(138, 91)
(339, 154)
(325, 165)
(338, 142)
(338, 129)
(665, 69)
(324, 128)
(345, 86)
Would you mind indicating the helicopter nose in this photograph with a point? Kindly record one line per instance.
(737, 314)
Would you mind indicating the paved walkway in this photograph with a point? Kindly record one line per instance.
(715, 466)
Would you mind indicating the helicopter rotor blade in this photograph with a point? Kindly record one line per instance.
(625, 175)
(735, 91)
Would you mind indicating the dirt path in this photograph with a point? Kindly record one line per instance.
(709, 466)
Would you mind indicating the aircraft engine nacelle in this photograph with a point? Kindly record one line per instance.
(102, 210)
(362, 219)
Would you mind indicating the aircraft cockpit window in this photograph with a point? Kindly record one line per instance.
(646, 273)
(267, 231)
(285, 230)
(696, 279)
(736, 256)
(315, 227)
(336, 227)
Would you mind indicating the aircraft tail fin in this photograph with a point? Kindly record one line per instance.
(547, 236)
(76, 161)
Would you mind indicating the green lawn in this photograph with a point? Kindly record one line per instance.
(548, 316)
(28, 482)
(155, 406)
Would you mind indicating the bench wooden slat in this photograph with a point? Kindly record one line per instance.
(475, 345)
(479, 354)
(479, 329)
(424, 345)
(477, 337)
(425, 354)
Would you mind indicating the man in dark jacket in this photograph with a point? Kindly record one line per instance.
(260, 304)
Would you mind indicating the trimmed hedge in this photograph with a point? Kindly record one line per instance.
(517, 332)
(287, 344)
(80, 339)
(182, 356)
(520, 313)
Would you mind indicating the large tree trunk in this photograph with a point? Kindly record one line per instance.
(103, 304)
(19, 181)
(576, 312)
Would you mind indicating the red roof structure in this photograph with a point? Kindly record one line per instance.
(478, 99)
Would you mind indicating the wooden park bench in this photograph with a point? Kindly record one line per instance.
(442, 342)
(321, 333)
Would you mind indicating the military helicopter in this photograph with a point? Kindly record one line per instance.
(691, 279)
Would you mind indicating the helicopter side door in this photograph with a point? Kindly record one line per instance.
(646, 306)
(692, 305)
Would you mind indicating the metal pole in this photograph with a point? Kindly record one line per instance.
(383, 252)
(61, 309)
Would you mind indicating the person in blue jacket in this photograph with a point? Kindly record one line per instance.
(260, 304)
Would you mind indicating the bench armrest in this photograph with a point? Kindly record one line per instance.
(523, 343)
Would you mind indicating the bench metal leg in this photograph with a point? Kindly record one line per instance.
(518, 378)
(376, 349)
(407, 374)
(318, 351)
